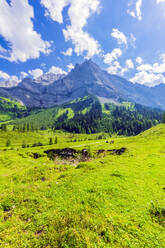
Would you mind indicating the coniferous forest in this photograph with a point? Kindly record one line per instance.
(88, 115)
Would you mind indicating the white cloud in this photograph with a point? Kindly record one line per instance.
(129, 64)
(18, 30)
(68, 52)
(4, 75)
(36, 73)
(136, 12)
(121, 38)
(144, 67)
(154, 68)
(139, 60)
(110, 57)
(162, 57)
(70, 67)
(55, 8)
(114, 68)
(79, 11)
(114, 65)
(148, 79)
(56, 70)
(14, 78)
(160, 1)
(150, 74)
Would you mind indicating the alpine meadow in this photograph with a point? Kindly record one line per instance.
(82, 124)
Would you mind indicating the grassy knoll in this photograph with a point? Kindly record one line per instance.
(108, 201)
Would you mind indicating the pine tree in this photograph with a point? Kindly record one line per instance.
(56, 140)
(8, 143)
(50, 141)
(163, 117)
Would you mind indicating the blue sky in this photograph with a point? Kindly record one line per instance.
(125, 37)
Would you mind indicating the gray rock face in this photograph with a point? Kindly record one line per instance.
(49, 78)
(87, 78)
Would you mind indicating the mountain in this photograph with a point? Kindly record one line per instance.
(84, 79)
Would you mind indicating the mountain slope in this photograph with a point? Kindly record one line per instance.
(11, 109)
(83, 80)
(87, 115)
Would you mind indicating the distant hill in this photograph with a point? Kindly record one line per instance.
(84, 79)
(88, 115)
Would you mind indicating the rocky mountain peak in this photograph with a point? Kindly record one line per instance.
(85, 79)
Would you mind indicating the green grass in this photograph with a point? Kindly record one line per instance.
(9, 109)
(109, 201)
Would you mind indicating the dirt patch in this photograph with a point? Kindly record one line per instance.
(73, 157)
(65, 153)
(117, 151)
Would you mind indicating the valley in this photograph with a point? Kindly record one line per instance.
(82, 124)
(82, 169)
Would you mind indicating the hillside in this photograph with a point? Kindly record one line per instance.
(88, 115)
(85, 79)
(11, 109)
(108, 200)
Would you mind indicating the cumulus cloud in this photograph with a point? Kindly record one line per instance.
(18, 30)
(135, 10)
(36, 73)
(150, 74)
(68, 52)
(110, 57)
(121, 38)
(79, 11)
(148, 79)
(54, 9)
(114, 68)
(139, 60)
(129, 64)
(5, 77)
(154, 68)
(56, 70)
(111, 60)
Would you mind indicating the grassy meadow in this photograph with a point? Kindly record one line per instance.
(105, 201)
